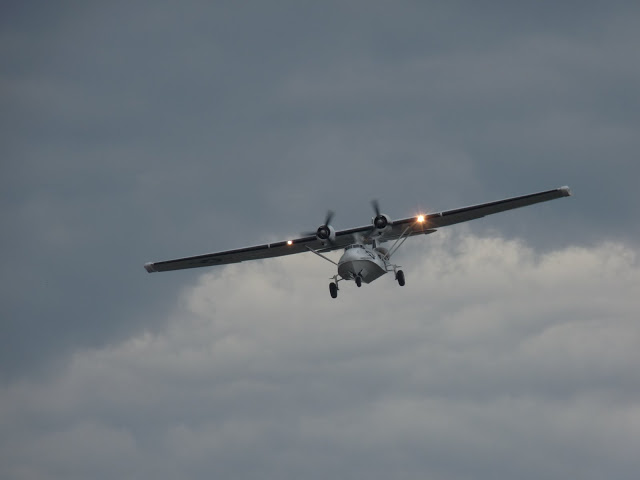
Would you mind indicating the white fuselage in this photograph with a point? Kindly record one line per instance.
(363, 261)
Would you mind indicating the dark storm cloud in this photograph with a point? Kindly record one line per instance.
(136, 132)
(132, 134)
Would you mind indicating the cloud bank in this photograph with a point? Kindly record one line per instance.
(493, 362)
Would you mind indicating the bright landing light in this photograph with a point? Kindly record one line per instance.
(420, 218)
(289, 242)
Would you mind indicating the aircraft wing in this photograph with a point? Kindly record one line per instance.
(266, 250)
(407, 226)
(459, 215)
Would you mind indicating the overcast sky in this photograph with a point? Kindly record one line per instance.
(143, 131)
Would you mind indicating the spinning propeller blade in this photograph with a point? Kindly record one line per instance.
(328, 218)
(327, 222)
(376, 206)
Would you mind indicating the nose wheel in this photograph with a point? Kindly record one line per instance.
(400, 277)
(333, 290)
(358, 281)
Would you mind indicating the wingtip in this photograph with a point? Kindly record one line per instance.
(149, 267)
(566, 191)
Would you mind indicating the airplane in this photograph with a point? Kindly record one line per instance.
(364, 258)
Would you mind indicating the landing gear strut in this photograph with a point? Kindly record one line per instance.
(333, 289)
(400, 277)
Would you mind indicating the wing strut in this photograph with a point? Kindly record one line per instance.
(320, 255)
(403, 236)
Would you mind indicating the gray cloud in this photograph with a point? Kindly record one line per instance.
(495, 361)
(131, 133)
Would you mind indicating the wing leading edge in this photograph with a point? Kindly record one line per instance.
(459, 215)
(405, 226)
(267, 250)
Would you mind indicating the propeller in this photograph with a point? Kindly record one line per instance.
(376, 207)
(324, 231)
(327, 219)
(380, 221)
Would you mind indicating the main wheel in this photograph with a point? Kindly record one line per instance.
(333, 290)
(358, 281)
(400, 278)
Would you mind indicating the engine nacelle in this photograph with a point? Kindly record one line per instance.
(326, 234)
(381, 223)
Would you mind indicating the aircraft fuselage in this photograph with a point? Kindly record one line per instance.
(359, 260)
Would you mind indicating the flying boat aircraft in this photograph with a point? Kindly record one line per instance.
(365, 258)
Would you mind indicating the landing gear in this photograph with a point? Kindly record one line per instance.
(400, 277)
(333, 289)
(358, 281)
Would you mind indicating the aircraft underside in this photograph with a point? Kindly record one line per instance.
(367, 270)
(363, 264)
